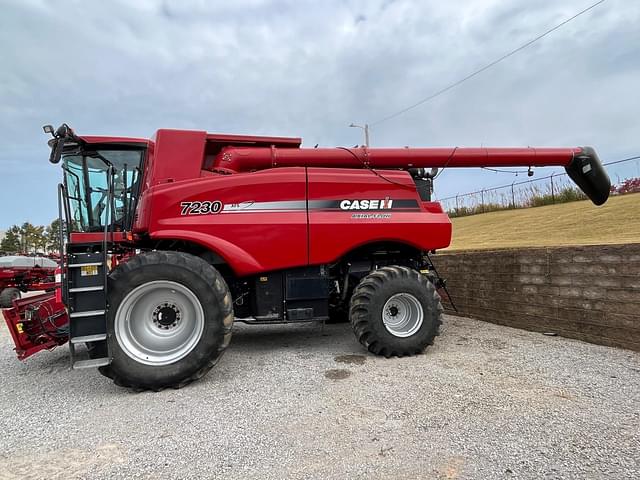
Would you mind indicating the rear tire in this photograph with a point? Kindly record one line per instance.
(7, 296)
(169, 321)
(395, 311)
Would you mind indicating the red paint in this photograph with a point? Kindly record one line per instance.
(94, 237)
(120, 140)
(334, 233)
(238, 159)
(33, 324)
(250, 242)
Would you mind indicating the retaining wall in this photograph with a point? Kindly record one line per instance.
(591, 293)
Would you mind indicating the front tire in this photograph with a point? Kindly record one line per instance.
(169, 320)
(7, 296)
(395, 311)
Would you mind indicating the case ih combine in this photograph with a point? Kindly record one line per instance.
(173, 237)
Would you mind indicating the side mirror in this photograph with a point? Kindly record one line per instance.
(61, 136)
(56, 150)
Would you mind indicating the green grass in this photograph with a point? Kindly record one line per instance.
(531, 197)
(574, 223)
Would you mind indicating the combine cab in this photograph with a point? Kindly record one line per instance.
(171, 239)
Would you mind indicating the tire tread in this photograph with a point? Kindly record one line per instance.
(362, 316)
(220, 295)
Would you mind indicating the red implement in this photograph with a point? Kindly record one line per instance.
(37, 323)
(24, 274)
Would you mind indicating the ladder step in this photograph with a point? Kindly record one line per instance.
(94, 362)
(86, 289)
(90, 313)
(89, 338)
(88, 264)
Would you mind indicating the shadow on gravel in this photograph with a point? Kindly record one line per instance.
(270, 337)
(350, 359)
(54, 360)
(337, 374)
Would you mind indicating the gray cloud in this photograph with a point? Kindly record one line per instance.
(310, 68)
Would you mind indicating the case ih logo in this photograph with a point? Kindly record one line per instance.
(385, 204)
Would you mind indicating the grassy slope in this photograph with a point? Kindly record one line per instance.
(575, 223)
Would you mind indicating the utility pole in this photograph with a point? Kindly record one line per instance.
(366, 132)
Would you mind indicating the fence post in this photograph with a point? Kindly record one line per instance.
(513, 197)
(553, 194)
(482, 199)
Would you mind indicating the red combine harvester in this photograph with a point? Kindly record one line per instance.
(24, 274)
(172, 238)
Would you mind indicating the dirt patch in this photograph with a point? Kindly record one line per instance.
(351, 359)
(337, 374)
(61, 464)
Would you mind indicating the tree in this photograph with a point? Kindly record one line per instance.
(52, 236)
(39, 239)
(31, 237)
(11, 241)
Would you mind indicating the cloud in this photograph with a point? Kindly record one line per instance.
(310, 68)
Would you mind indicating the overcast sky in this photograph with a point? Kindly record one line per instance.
(309, 68)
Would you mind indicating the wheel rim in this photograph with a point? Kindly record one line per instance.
(159, 323)
(402, 315)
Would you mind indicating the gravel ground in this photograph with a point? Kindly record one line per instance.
(296, 402)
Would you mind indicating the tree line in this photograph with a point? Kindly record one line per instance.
(28, 238)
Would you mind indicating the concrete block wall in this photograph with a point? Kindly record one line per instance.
(591, 293)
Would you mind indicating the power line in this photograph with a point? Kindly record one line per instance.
(621, 161)
(559, 174)
(486, 67)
